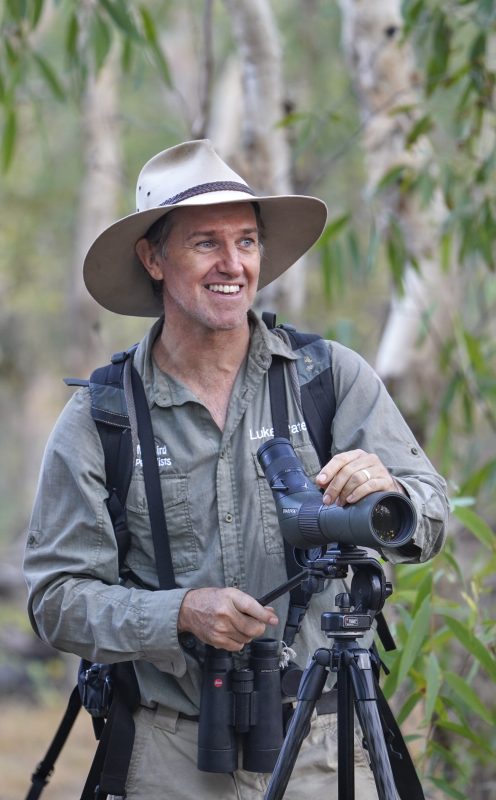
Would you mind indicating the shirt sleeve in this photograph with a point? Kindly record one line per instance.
(367, 418)
(71, 567)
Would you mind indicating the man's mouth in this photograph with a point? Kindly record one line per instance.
(224, 288)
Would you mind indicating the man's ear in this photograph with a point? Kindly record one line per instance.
(146, 254)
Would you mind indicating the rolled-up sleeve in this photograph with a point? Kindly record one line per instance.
(367, 418)
(75, 601)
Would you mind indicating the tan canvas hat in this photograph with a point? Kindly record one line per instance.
(192, 174)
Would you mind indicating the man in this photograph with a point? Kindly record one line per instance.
(194, 254)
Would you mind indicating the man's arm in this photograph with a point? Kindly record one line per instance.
(224, 618)
(375, 450)
(71, 565)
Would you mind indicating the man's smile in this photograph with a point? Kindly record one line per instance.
(224, 288)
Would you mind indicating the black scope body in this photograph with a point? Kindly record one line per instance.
(380, 520)
(244, 703)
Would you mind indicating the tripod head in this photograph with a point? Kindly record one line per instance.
(369, 588)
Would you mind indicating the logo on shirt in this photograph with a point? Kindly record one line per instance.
(163, 459)
(268, 433)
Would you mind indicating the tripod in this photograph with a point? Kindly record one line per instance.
(355, 679)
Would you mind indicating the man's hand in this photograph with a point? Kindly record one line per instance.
(348, 477)
(224, 618)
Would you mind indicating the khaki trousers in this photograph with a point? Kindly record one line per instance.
(163, 765)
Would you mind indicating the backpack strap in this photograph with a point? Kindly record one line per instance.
(108, 771)
(109, 410)
(317, 396)
(45, 768)
(153, 489)
(122, 417)
(120, 410)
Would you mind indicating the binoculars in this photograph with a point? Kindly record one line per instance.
(241, 705)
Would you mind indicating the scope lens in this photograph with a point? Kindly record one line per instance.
(387, 520)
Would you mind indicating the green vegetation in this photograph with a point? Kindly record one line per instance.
(443, 616)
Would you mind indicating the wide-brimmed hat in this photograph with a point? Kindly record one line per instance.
(192, 174)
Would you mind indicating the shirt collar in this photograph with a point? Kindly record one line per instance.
(163, 390)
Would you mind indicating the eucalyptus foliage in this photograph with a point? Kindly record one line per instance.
(445, 665)
(442, 674)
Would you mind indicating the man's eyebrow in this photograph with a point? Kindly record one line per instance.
(207, 234)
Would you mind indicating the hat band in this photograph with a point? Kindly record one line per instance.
(204, 188)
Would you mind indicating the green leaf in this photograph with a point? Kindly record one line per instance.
(9, 138)
(467, 732)
(334, 228)
(447, 789)
(420, 128)
(151, 37)
(119, 13)
(18, 9)
(471, 643)
(408, 706)
(424, 590)
(35, 13)
(437, 65)
(49, 76)
(479, 527)
(433, 683)
(71, 37)
(395, 175)
(397, 254)
(478, 48)
(127, 56)
(469, 697)
(101, 40)
(415, 639)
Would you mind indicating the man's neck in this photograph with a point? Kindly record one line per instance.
(207, 362)
(200, 351)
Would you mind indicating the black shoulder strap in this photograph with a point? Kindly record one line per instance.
(108, 772)
(163, 557)
(114, 429)
(114, 422)
(317, 396)
(109, 408)
(44, 770)
(316, 387)
(319, 406)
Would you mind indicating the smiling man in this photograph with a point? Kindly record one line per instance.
(193, 256)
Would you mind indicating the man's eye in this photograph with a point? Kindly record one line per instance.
(248, 242)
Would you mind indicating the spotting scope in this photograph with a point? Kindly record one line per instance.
(380, 520)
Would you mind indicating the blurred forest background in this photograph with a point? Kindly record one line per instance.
(384, 109)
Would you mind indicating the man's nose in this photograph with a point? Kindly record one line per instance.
(230, 259)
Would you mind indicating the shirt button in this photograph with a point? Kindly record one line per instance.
(415, 451)
(228, 518)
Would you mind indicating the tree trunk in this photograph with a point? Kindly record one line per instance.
(264, 159)
(419, 321)
(97, 210)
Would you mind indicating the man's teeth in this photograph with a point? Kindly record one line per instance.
(224, 288)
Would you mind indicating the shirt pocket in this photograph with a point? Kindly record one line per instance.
(273, 540)
(181, 535)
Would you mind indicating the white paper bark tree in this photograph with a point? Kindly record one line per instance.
(264, 156)
(384, 74)
(98, 198)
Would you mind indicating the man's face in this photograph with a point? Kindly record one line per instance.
(211, 266)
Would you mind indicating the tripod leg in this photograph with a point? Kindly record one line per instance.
(311, 685)
(361, 675)
(346, 744)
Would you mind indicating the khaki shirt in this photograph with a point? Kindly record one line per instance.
(220, 513)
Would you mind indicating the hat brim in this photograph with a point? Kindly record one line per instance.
(117, 280)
